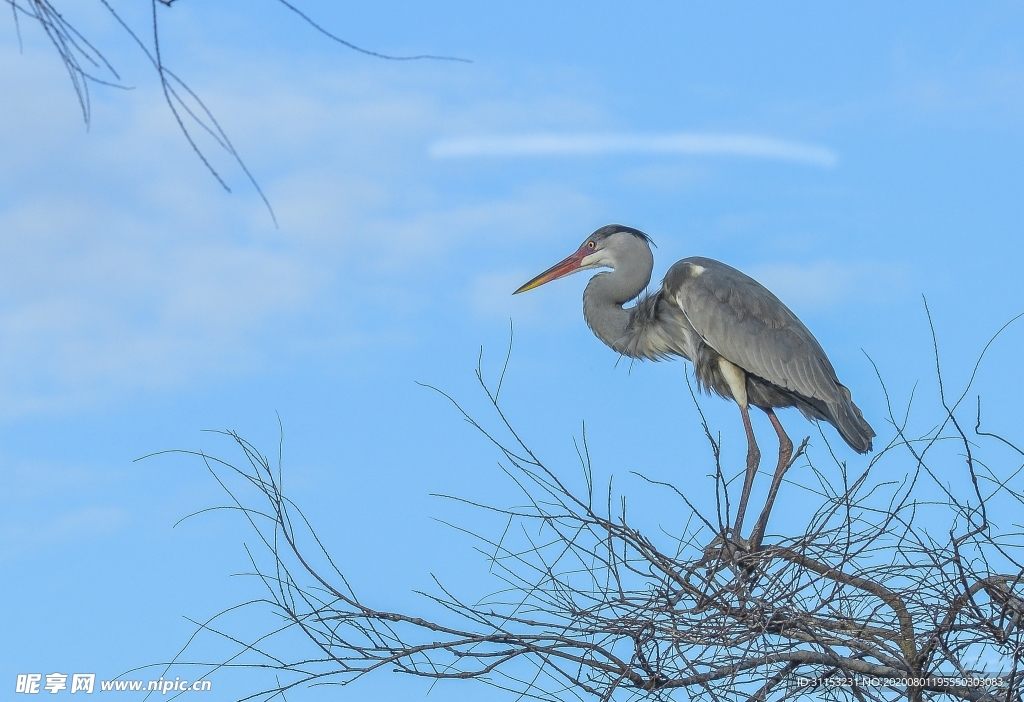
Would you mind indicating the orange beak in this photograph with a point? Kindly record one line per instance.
(559, 270)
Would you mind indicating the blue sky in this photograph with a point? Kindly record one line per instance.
(851, 158)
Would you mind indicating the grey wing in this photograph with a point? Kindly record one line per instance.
(747, 325)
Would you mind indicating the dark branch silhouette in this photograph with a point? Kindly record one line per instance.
(906, 581)
(86, 65)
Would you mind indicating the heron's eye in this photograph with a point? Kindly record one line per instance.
(591, 245)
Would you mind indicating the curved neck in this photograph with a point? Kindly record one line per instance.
(607, 292)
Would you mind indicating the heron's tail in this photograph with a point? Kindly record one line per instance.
(846, 417)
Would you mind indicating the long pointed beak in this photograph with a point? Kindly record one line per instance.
(559, 270)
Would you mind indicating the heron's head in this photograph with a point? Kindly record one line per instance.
(605, 248)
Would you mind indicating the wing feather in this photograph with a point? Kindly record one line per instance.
(749, 326)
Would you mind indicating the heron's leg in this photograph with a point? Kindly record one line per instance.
(785, 458)
(753, 460)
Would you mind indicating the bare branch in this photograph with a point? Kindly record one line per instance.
(869, 602)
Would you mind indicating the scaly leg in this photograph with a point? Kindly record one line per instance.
(753, 460)
(785, 456)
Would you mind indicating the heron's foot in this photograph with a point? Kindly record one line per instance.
(730, 569)
(725, 548)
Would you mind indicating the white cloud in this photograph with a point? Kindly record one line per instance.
(746, 145)
(81, 524)
(124, 268)
(821, 285)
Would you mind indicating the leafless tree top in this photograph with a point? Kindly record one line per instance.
(904, 583)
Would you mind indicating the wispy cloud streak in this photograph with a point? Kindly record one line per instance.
(525, 145)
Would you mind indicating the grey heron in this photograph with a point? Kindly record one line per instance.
(744, 343)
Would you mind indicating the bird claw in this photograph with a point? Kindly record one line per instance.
(726, 548)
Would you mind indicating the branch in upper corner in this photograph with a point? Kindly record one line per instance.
(315, 25)
(81, 58)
